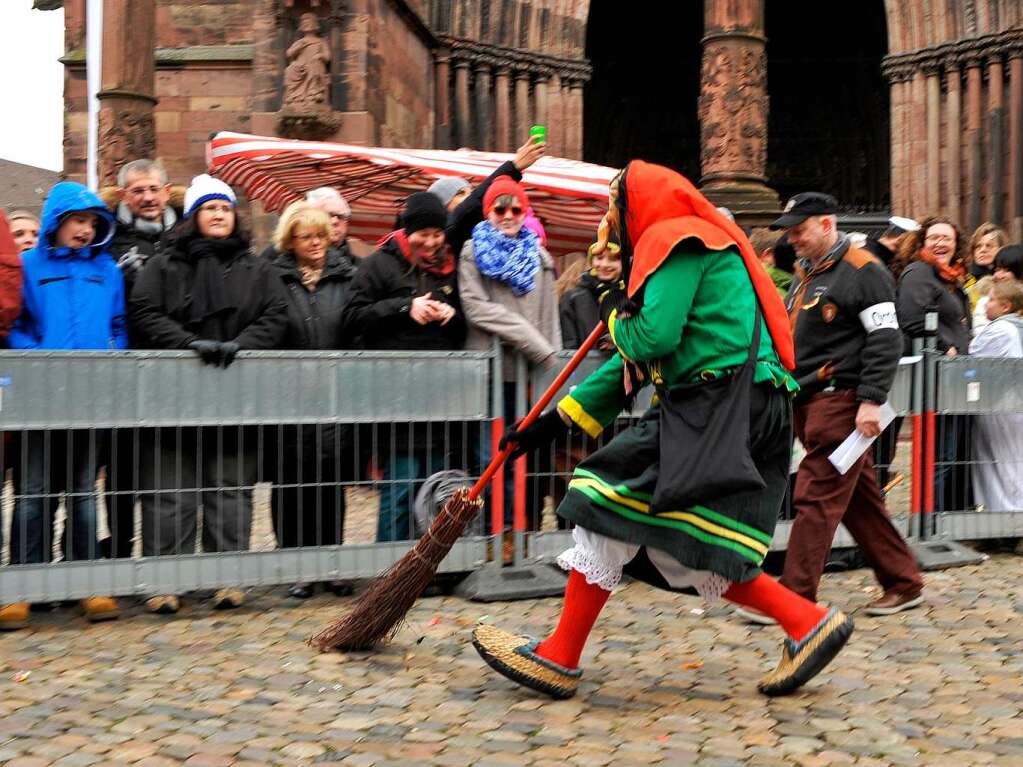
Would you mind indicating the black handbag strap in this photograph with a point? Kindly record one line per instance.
(755, 346)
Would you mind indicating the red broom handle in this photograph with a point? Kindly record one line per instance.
(538, 408)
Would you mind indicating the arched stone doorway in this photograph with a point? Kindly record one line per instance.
(828, 127)
(828, 124)
(640, 101)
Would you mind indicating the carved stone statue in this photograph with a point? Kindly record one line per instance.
(306, 82)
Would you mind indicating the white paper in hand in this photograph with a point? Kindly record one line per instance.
(856, 444)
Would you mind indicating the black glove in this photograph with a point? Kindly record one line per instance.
(542, 432)
(228, 350)
(208, 351)
(612, 296)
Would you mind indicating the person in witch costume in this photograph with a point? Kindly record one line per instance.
(687, 318)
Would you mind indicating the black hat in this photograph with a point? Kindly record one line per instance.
(803, 206)
(423, 211)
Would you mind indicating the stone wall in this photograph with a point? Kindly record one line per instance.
(399, 76)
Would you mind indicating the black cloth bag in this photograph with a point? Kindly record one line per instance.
(705, 438)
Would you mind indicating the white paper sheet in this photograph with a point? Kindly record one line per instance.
(856, 444)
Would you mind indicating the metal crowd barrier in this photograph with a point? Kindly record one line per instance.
(61, 409)
(456, 403)
(544, 545)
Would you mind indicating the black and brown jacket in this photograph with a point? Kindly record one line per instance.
(844, 324)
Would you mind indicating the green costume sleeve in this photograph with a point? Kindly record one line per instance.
(598, 400)
(655, 332)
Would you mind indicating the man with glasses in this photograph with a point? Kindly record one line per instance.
(144, 217)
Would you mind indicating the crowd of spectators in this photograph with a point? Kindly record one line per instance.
(148, 268)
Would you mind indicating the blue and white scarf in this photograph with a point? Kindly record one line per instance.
(511, 260)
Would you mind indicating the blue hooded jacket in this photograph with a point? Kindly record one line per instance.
(71, 298)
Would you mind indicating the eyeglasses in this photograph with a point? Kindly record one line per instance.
(138, 191)
(311, 237)
(502, 209)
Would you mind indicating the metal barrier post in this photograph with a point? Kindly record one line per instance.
(519, 517)
(929, 422)
(916, 452)
(496, 432)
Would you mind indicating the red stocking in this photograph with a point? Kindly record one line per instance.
(583, 603)
(796, 615)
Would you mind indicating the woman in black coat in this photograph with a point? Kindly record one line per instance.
(206, 292)
(307, 462)
(933, 272)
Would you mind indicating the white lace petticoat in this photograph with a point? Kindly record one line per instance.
(601, 559)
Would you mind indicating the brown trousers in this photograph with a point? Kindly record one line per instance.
(823, 498)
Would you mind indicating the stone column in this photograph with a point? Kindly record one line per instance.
(502, 99)
(523, 115)
(462, 132)
(442, 102)
(127, 130)
(733, 110)
(897, 102)
(953, 142)
(1016, 142)
(575, 119)
(974, 112)
(918, 146)
(540, 110)
(933, 75)
(484, 112)
(996, 154)
(557, 128)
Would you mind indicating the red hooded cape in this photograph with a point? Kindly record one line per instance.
(662, 208)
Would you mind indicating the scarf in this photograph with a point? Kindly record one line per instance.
(511, 260)
(209, 295)
(310, 276)
(442, 264)
(144, 225)
(953, 273)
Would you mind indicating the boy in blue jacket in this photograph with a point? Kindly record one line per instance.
(72, 298)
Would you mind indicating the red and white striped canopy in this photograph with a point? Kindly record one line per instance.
(569, 196)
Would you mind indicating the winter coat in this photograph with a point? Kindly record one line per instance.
(579, 310)
(844, 324)
(527, 323)
(377, 316)
(162, 300)
(10, 278)
(135, 242)
(921, 291)
(314, 316)
(71, 299)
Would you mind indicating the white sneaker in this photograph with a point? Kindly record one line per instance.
(754, 616)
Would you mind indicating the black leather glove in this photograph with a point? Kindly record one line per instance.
(542, 432)
(612, 296)
(208, 351)
(228, 350)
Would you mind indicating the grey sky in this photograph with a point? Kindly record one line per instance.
(32, 126)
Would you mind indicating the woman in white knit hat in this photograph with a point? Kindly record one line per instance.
(206, 292)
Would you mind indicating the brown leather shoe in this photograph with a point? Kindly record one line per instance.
(895, 602)
(228, 599)
(100, 609)
(14, 616)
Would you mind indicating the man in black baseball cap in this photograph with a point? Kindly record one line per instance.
(803, 206)
(847, 340)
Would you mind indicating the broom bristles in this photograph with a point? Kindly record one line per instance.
(381, 610)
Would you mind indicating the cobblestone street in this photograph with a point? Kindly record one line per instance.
(665, 683)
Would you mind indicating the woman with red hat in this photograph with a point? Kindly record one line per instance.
(506, 281)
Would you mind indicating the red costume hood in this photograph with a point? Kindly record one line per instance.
(662, 208)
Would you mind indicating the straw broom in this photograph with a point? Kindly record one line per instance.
(381, 610)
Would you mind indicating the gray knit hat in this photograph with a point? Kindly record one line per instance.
(446, 188)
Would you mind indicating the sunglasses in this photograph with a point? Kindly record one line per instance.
(502, 209)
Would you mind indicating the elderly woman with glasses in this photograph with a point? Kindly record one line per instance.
(306, 462)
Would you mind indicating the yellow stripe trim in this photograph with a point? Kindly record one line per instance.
(683, 516)
(612, 320)
(584, 420)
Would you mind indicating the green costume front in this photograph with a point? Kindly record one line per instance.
(696, 322)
